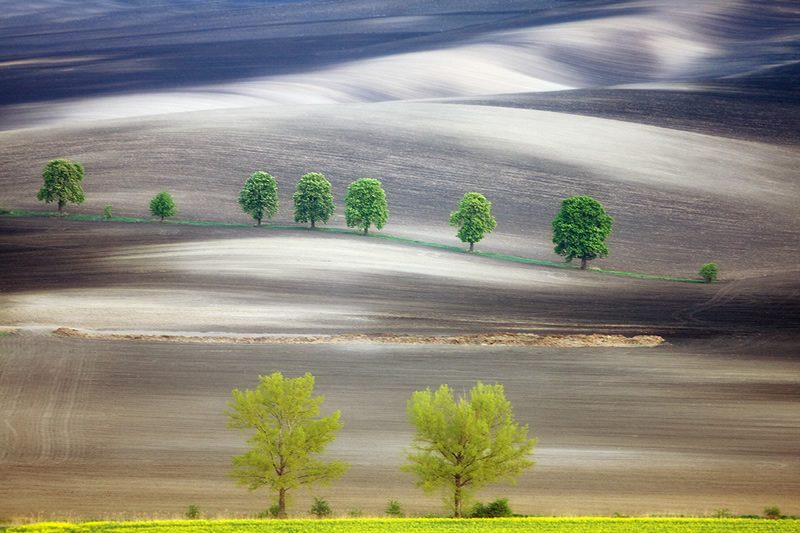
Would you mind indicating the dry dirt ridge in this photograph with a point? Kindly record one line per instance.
(500, 338)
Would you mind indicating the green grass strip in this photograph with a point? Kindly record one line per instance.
(451, 248)
(432, 525)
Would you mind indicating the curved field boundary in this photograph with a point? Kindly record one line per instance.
(347, 232)
(432, 525)
(486, 339)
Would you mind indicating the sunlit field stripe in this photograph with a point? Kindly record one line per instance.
(448, 247)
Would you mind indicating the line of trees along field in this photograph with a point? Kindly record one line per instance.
(580, 229)
(460, 445)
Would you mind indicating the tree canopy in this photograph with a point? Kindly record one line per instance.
(62, 183)
(709, 272)
(288, 435)
(259, 196)
(461, 446)
(313, 200)
(162, 205)
(473, 218)
(365, 205)
(580, 229)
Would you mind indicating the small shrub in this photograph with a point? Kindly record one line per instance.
(709, 272)
(497, 509)
(193, 513)
(320, 508)
(772, 512)
(4, 211)
(393, 508)
(272, 512)
(107, 211)
(355, 513)
(722, 513)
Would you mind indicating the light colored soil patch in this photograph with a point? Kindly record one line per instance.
(486, 339)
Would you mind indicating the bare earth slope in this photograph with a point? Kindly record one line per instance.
(697, 162)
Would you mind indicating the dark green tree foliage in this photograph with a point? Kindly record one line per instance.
(259, 196)
(366, 205)
(313, 200)
(709, 272)
(473, 218)
(497, 509)
(162, 205)
(461, 446)
(287, 436)
(62, 183)
(580, 229)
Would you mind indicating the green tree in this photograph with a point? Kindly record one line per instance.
(313, 200)
(473, 218)
(366, 204)
(62, 183)
(162, 205)
(259, 196)
(580, 229)
(461, 446)
(287, 436)
(709, 272)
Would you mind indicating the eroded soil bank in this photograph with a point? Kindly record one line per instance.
(485, 339)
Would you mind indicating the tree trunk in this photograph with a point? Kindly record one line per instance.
(312, 223)
(365, 230)
(282, 503)
(471, 246)
(61, 204)
(457, 499)
(584, 261)
(259, 223)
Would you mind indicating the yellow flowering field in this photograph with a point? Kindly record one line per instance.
(430, 525)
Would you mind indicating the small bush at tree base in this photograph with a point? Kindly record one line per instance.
(320, 508)
(193, 513)
(709, 272)
(772, 512)
(497, 509)
(107, 211)
(272, 512)
(393, 508)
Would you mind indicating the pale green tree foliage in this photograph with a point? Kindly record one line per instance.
(62, 183)
(366, 205)
(463, 445)
(581, 228)
(288, 434)
(313, 200)
(162, 205)
(473, 218)
(259, 196)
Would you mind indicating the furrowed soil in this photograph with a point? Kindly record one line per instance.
(105, 426)
(681, 122)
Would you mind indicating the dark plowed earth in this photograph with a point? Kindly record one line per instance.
(682, 121)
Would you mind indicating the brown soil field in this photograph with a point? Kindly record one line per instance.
(681, 122)
(98, 427)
